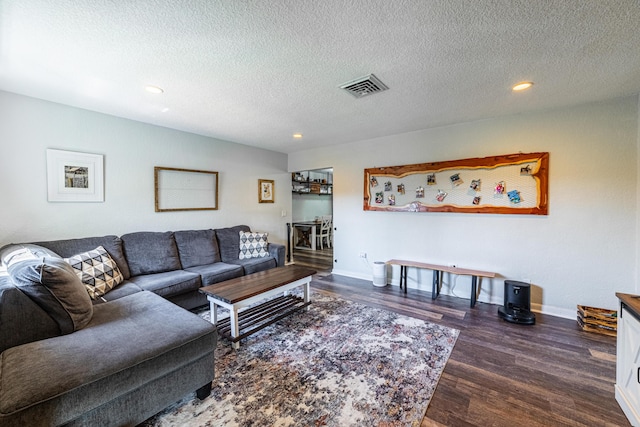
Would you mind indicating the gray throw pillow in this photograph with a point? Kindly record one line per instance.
(54, 286)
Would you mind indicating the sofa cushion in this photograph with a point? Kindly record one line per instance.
(54, 286)
(216, 273)
(70, 247)
(229, 242)
(122, 290)
(168, 283)
(254, 265)
(56, 381)
(151, 252)
(197, 247)
(97, 270)
(253, 245)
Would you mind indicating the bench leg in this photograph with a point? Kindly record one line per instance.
(474, 290)
(204, 391)
(404, 277)
(436, 284)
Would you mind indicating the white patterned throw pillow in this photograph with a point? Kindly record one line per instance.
(97, 270)
(253, 245)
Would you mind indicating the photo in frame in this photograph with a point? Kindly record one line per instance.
(74, 177)
(266, 189)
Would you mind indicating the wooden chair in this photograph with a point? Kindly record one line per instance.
(325, 231)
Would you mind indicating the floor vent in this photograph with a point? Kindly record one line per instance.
(364, 86)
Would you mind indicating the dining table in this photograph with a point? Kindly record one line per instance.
(304, 234)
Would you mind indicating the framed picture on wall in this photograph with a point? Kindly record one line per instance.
(266, 191)
(178, 189)
(74, 177)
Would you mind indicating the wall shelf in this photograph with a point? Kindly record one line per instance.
(312, 182)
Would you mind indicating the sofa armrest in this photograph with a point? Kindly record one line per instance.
(277, 251)
(21, 319)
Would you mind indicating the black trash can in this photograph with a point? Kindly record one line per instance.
(517, 303)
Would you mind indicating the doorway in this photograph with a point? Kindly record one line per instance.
(311, 239)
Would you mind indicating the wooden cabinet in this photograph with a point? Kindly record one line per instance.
(628, 358)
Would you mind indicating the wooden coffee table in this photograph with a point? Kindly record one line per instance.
(238, 294)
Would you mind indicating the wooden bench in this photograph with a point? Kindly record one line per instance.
(437, 276)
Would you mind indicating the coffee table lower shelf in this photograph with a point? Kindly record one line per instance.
(260, 316)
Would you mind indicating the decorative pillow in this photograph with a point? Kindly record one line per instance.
(53, 285)
(253, 245)
(97, 270)
(18, 252)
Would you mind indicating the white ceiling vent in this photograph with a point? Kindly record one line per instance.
(364, 86)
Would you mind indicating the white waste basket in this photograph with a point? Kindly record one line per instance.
(379, 274)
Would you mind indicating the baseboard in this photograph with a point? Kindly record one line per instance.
(626, 406)
(367, 277)
(536, 308)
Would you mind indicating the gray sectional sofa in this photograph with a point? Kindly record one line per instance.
(115, 360)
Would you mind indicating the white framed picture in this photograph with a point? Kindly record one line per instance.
(74, 177)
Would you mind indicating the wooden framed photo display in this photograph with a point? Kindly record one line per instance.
(506, 184)
(266, 189)
(185, 189)
(74, 177)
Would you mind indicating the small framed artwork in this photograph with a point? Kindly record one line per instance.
(74, 177)
(266, 191)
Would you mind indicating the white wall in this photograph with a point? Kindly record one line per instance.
(306, 207)
(131, 149)
(581, 253)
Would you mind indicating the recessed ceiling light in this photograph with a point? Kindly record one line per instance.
(297, 135)
(154, 89)
(522, 86)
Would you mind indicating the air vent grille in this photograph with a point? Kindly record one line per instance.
(364, 86)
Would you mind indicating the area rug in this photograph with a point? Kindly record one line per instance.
(338, 364)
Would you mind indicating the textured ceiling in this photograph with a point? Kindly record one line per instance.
(255, 72)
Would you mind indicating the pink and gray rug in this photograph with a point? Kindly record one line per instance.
(339, 364)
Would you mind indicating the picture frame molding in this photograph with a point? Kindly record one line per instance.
(185, 189)
(58, 164)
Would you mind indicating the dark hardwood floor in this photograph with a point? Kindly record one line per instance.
(503, 374)
(321, 260)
